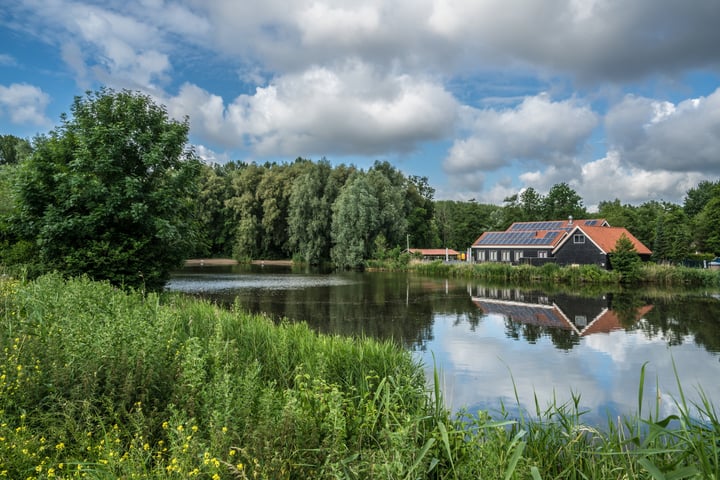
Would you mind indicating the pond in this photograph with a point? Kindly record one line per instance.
(501, 347)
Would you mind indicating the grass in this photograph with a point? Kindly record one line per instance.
(649, 274)
(98, 383)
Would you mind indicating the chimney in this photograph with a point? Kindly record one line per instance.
(569, 220)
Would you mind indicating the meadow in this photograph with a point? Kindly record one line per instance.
(96, 382)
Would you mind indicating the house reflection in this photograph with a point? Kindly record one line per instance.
(578, 316)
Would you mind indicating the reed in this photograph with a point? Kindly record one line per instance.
(99, 383)
(649, 274)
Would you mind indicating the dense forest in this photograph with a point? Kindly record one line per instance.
(314, 212)
(94, 182)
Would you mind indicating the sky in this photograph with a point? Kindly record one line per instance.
(619, 99)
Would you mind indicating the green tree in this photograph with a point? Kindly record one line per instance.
(562, 202)
(625, 259)
(246, 211)
(214, 218)
(696, 198)
(531, 203)
(109, 192)
(707, 227)
(13, 149)
(420, 212)
(310, 212)
(356, 222)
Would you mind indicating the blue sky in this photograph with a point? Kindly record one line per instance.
(484, 97)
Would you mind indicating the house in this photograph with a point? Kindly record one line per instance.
(565, 242)
(430, 254)
(592, 245)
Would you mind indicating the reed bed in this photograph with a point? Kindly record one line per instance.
(99, 383)
(649, 274)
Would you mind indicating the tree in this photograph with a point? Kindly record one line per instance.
(13, 149)
(562, 202)
(109, 193)
(698, 197)
(706, 227)
(356, 221)
(310, 213)
(625, 259)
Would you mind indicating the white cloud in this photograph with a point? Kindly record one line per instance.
(351, 110)
(658, 135)
(24, 104)
(537, 130)
(609, 178)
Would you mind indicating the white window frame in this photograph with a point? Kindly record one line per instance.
(578, 238)
(518, 255)
(542, 254)
(493, 256)
(505, 255)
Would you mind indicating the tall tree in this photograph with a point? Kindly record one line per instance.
(246, 211)
(696, 198)
(420, 211)
(13, 149)
(310, 213)
(109, 193)
(562, 202)
(355, 223)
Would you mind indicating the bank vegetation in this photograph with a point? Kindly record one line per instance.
(96, 382)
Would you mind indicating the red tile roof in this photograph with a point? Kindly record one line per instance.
(606, 238)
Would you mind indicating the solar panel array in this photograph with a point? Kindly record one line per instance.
(523, 226)
(518, 238)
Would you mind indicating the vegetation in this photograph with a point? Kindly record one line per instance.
(113, 192)
(108, 193)
(661, 275)
(99, 383)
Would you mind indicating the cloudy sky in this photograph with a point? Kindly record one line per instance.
(620, 99)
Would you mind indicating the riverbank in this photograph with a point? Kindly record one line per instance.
(648, 274)
(209, 262)
(97, 382)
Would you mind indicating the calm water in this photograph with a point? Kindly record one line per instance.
(490, 343)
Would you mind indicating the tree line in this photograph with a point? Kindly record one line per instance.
(115, 192)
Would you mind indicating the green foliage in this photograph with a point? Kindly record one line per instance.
(13, 150)
(625, 260)
(96, 383)
(109, 193)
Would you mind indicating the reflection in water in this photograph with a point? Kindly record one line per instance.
(499, 345)
(565, 318)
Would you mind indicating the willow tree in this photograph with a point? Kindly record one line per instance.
(109, 193)
(310, 214)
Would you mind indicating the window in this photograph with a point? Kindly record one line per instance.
(518, 255)
(493, 255)
(580, 320)
(481, 255)
(506, 256)
(578, 238)
(542, 254)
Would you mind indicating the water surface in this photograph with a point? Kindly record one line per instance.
(497, 347)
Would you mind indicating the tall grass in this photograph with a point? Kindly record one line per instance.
(650, 274)
(98, 383)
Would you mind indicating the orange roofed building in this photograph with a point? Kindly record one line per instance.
(564, 242)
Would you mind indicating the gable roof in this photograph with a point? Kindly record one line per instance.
(605, 238)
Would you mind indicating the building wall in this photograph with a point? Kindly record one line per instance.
(515, 254)
(580, 253)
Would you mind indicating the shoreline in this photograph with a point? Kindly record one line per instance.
(211, 262)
